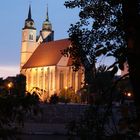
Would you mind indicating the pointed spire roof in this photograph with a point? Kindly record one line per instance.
(47, 15)
(47, 24)
(29, 22)
(29, 14)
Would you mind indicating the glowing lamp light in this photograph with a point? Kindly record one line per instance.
(129, 94)
(10, 85)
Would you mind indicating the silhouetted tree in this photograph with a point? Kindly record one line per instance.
(97, 33)
(111, 28)
(20, 84)
(15, 106)
(131, 16)
(107, 27)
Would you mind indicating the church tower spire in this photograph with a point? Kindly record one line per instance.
(47, 33)
(47, 24)
(47, 15)
(29, 22)
(29, 13)
(28, 39)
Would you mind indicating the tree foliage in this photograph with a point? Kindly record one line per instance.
(110, 28)
(13, 110)
(131, 15)
(15, 103)
(98, 32)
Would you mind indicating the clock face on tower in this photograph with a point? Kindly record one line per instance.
(47, 26)
(31, 23)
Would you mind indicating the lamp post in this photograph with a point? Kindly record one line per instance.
(65, 93)
(10, 85)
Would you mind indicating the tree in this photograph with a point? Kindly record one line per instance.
(107, 27)
(111, 28)
(15, 106)
(131, 16)
(98, 32)
(20, 84)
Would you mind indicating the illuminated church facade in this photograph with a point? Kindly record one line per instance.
(45, 68)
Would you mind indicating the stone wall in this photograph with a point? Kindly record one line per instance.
(61, 113)
(53, 118)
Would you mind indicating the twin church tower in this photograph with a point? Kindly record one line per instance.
(30, 40)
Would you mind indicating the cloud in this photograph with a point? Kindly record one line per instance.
(6, 71)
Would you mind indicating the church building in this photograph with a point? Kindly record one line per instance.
(47, 71)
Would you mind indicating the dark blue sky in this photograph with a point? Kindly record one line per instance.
(12, 16)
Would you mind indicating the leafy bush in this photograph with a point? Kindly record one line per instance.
(12, 111)
(54, 99)
(69, 95)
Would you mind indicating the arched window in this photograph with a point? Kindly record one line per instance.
(51, 76)
(73, 80)
(61, 80)
(31, 36)
(79, 80)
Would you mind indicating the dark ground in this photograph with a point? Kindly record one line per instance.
(44, 137)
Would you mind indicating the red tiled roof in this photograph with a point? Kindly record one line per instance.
(47, 54)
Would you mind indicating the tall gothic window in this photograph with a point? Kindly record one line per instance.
(46, 81)
(61, 80)
(79, 80)
(73, 80)
(35, 78)
(51, 80)
(41, 79)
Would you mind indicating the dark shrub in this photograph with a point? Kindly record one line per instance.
(54, 99)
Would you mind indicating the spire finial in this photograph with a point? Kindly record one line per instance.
(29, 13)
(47, 15)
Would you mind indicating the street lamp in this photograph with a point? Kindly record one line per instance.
(10, 85)
(129, 94)
(65, 93)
